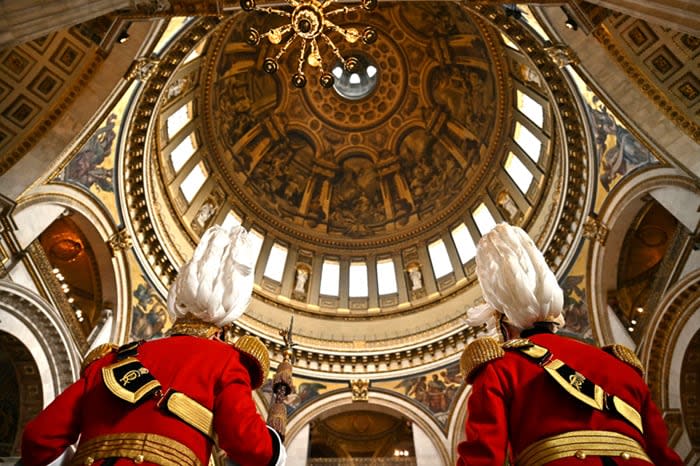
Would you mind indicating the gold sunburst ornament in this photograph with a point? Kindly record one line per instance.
(309, 22)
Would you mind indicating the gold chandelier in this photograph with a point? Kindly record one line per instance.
(309, 22)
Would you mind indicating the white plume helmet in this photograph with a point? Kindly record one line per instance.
(516, 280)
(216, 285)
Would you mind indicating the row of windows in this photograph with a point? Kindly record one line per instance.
(462, 242)
(514, 166)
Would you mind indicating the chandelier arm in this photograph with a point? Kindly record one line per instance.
(282, 31)
(342, 31)
(336, 52)
(285, 47)
(302, 56)
(343, 10)
(268, 10)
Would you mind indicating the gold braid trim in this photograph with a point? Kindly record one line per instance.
(138, 447)
(478, 353)
(255, 352)
(97, 353)
(191, 325)
(626, 355)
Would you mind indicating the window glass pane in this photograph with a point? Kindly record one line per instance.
(232, 220)
(358, 280)
(528, 141)
(275, 262)
(330, 278)
(177, 120)
(464, 243)
(386, 276)
(518, 172)
(531, 108)
(255, 238)
(439, 258)
(193, 182)
(483, 219)
(182, 153)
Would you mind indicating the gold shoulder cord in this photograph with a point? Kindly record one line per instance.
(477, 353)
(625, 355)
(97, 353)
(256, 351)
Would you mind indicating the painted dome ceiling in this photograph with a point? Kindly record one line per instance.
(366, 199)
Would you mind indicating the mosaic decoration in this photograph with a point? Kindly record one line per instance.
(618, 151)
(435, 391)
(149, 313)
(88, 167)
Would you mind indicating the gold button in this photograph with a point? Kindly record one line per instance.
(138, 459)
(624, 455)
(580, 455)
(89, 460)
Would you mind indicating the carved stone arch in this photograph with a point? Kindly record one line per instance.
(615, 217)
(32, 320)
(666, 341)
(456, 428)
(381, 401)
(110, 242)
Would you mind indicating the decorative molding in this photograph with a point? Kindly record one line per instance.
(595, 230)
(142, 68)
(562, 55)
(120, 241)
(37, 316)
(360, 389)
(43, 266)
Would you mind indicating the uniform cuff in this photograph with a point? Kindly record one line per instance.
(279, 453)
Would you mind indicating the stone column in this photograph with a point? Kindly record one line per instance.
(25, 20)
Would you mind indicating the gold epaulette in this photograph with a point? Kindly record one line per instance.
(97, 353)
(478, 353)
(626, 355)
(255, 352)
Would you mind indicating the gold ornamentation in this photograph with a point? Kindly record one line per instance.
(360, 389)
(256, 351)
(516, 343)
(309, 22)
(625, 355)
(154, 448)
(562, 55)
(142, 68)
(478, 353)
(120, 241)
(97, 353)
(580, 444)
(192, 412)
(118, 388)
(595, 230)
(576, 380)
(190, 325)
(132, 375)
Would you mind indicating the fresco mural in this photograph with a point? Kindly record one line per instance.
(149, 314)
(306, 391)
(435, 391)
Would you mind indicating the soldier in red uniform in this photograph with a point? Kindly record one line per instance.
(540, 398)
(168, 401)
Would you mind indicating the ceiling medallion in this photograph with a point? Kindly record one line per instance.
(309, 21)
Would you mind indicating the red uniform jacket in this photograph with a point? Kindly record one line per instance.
(514, 403)
(208, 371)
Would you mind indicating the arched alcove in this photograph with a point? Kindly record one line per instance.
(20, 392)
(667, 187)
(87, 226)
(429, 446)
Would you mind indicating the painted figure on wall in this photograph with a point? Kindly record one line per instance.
(619, 151)
(149, 314)
(85, 167)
